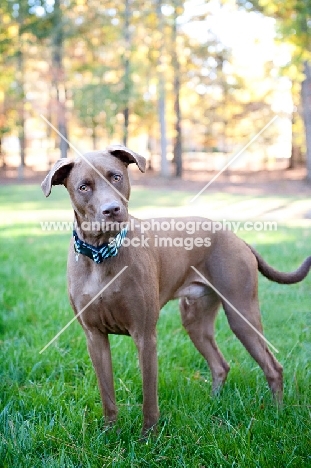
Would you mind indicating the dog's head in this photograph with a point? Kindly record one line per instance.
(97, 182)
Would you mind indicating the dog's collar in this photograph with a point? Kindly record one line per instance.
(98, 254)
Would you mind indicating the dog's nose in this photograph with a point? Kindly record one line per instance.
(110, 209)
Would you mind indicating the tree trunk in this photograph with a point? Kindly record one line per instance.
(21, 104)
(178, 130)
(296, 150)
(127, 40)
(59, 77)
(2, 160)
(292, 159)
(94, 134)
(49, 131)
(162, 97)
(306, 103)
(126, 117)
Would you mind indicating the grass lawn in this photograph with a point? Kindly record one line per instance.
(50, 410)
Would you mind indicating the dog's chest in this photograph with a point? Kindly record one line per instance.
(100, 297)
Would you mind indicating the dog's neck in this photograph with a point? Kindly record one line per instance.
(101, 253)
(94, 237)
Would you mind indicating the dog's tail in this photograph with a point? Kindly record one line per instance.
(279, 276)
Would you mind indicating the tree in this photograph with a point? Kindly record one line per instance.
(127, 73)
(294, 26)
(97, 106)
(162, 92)
(178, 9)
(58, 74)
(19, 20)
(123, 70)
(32, 23)
(7, 112)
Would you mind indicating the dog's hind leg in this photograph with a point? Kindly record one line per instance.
(198, 317)
(254, 341)
(235, 278)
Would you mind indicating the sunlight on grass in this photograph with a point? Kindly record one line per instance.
(24, 204)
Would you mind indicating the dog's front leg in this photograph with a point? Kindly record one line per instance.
(99, 350)
(147, 352)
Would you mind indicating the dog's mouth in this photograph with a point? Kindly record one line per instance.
(102, 225)
(101, 231)
(113, 227)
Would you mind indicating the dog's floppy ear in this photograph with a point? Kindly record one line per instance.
(57, 175)
(127, 156)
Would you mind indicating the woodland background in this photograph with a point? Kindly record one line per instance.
(155, 75)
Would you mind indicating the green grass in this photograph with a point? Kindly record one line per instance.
(50, 411)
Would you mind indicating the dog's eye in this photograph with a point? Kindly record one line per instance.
(83, 188)
(116, 177)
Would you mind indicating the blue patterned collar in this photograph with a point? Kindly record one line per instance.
(98, 254)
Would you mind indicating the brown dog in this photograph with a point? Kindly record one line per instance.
(211, 269)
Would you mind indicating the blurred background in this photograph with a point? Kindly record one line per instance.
(186, 83)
